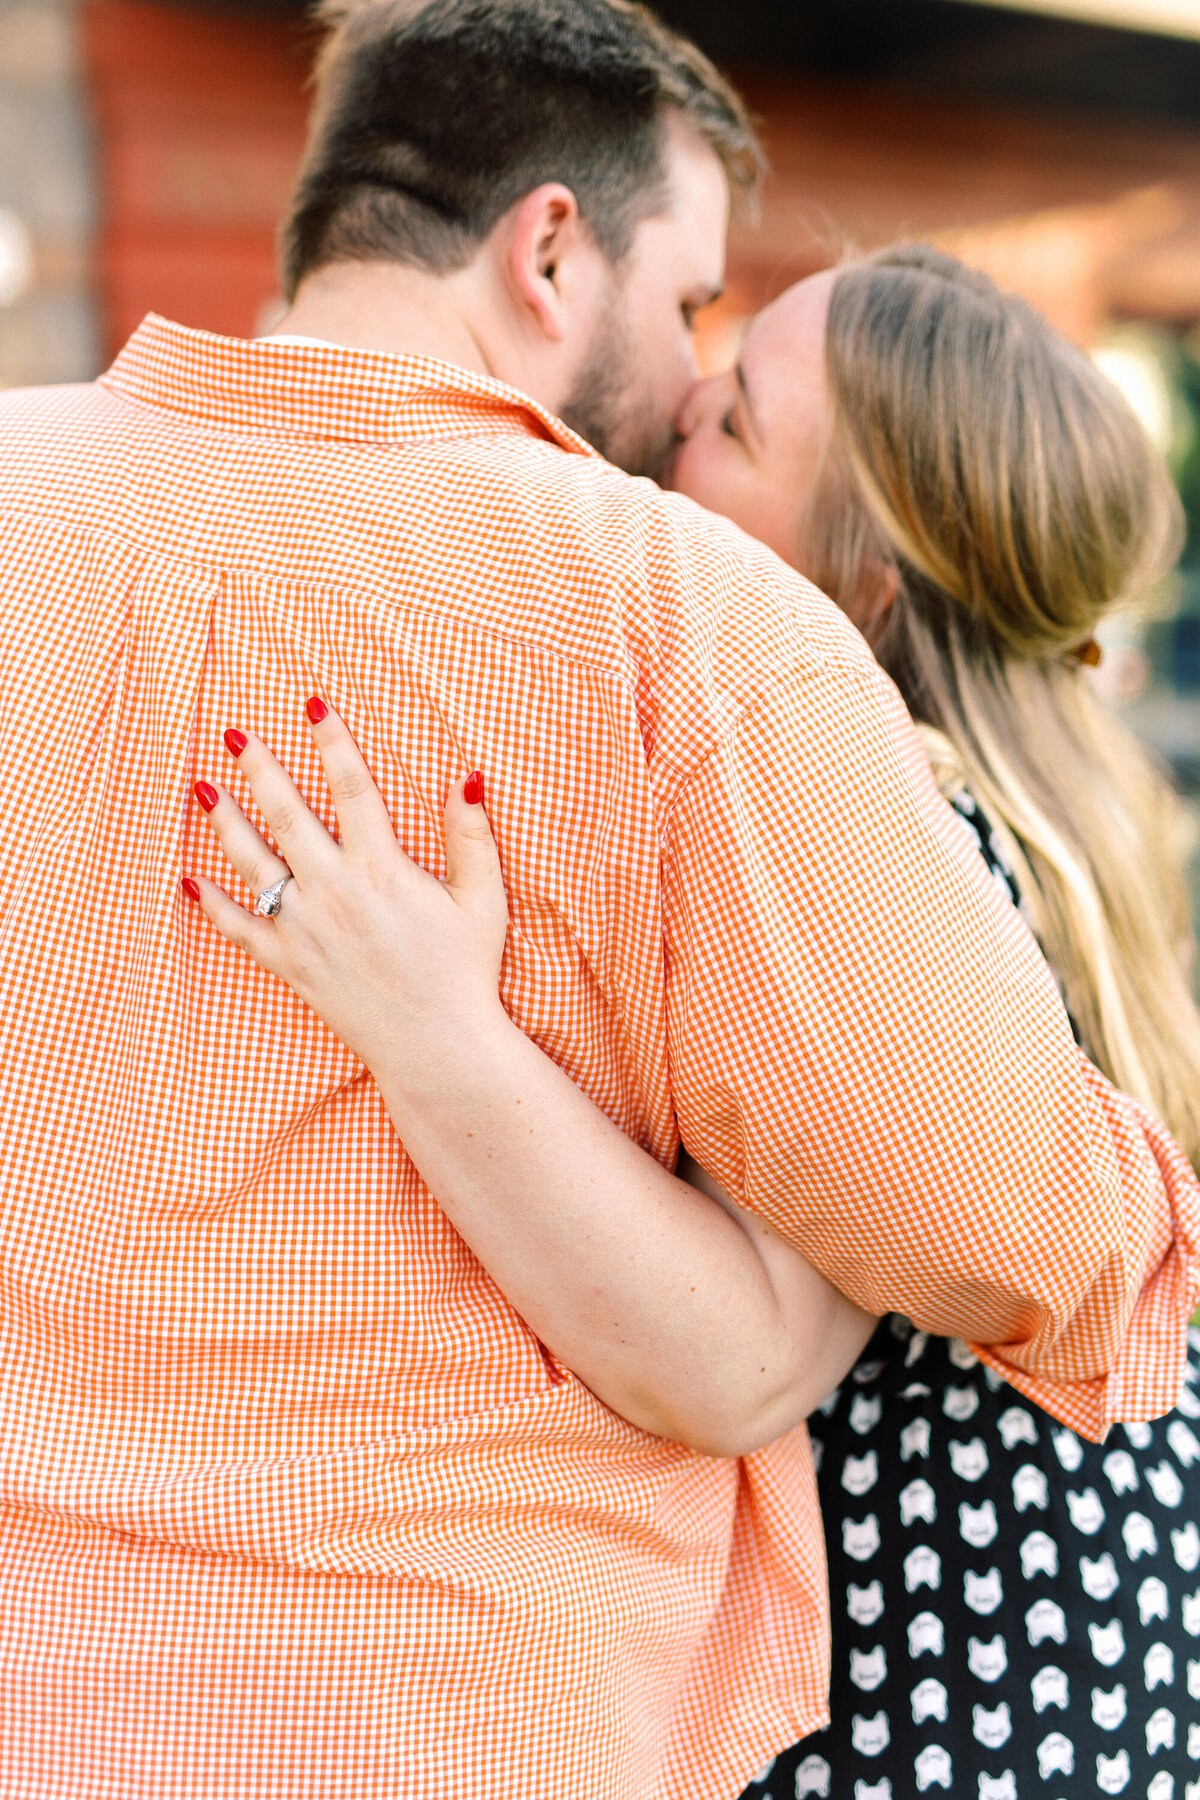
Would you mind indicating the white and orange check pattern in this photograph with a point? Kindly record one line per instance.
(295, 1507)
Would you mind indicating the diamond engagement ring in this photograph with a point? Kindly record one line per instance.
(267, 903)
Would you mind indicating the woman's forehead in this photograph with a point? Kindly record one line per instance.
(796, 320)
(784, 350)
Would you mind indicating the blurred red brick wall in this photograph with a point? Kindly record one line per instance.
(200, 116)
(199, 120)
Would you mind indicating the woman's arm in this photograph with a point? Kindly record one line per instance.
(689, 1316)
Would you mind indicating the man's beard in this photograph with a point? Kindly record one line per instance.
(613, 408)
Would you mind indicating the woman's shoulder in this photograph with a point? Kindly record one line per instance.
(994, 841)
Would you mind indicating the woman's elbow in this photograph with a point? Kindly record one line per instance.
(722, 1429)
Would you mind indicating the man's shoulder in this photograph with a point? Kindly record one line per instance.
(505, 530)
(55, 422)
(38, 410)
(566, 551)
(720, 622)
(55, 450)
(700, 572)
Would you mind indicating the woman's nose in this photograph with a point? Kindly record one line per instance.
(702, 398)
(685, 418)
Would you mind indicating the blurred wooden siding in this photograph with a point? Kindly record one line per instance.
(1094, 219)
(200, 118)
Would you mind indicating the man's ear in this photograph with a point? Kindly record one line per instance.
(877, 592)
(546, 231)
(888, 591)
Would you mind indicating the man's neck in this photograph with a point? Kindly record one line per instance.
(387, 307)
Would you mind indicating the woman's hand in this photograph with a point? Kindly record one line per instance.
(397, 963)
(685, 1314)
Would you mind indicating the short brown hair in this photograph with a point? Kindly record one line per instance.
(431, 120)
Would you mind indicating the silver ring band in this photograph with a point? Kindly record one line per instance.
(267, 904)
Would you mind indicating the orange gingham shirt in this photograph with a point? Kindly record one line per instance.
(295, 1506)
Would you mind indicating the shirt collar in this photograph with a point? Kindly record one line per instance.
(320, 390)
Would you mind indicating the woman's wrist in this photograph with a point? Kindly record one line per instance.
(450, 1054)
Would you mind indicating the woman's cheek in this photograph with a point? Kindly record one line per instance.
(702, 473)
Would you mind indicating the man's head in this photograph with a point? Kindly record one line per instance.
(565, 162)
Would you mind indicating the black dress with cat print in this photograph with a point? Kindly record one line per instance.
(1016, 1612)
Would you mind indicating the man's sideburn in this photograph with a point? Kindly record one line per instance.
(610, 404)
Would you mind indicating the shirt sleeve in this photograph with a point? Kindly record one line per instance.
(868, 1048)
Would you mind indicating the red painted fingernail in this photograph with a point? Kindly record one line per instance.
(316, 710)
(206, 794)
(473, 788)
(191, 888)
(235, 741)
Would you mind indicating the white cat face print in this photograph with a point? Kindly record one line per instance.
(1086, 1510)
(1046, 1621)
(1140, 1537)
(987, 1661)
(860, 1473)
(814, 1776)
(868, 1668)
(870, 1737)
(860, 1537)
(1021, 1616)
(918, 1501)
(1030, 1488)
(1154, 1602)
(978, 1525)
(926, 1635)
(992, 1727)
(1165, 1483)
(865, 1604)
(1068, 1449)
(1113, 1772)
(983, 1593)
(1100, 1578)
(998, 1787)
(1050, 1687)
(1055, 1755)
(1159, 1666)
(866, 1410)
(1122, 1473)
(1039, 1555)
(915, 1439)
(933, 1767)
(1109, 1708)
(1184, 1443)
(1160, 1731)
(969, 1461)
(1185, 1546)
(1016, 1426)
(922, 1568)
(1108, 1642)
(1191, 1613)
(929, 1700)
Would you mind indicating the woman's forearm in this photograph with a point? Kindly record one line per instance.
(691, 1318)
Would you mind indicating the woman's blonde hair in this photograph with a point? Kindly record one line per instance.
(987, 497)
